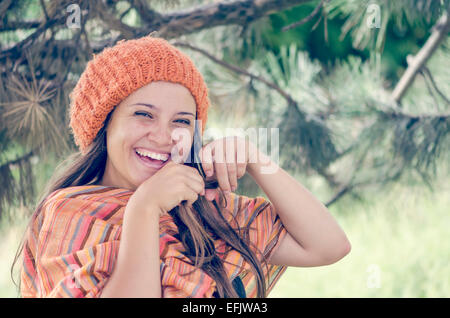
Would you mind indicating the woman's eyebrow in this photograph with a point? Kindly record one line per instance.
(154, 107)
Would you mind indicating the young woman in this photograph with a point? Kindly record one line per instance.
(140, 213)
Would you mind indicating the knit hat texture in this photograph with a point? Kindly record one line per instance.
(118, 71)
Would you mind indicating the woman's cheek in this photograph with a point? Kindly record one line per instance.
(183, 141)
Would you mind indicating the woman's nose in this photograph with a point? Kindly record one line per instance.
(160, 135)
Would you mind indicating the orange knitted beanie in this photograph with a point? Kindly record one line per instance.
(118, 71)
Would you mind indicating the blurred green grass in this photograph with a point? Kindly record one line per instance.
(11, 232)
(400, 234)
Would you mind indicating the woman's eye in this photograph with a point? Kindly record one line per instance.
(143, 114)
(185, 121)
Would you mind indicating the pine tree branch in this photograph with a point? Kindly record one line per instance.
(17, 25)
(341, 192)
(20, 159)
(147, 15)
(397, 113)
(427, 72)
(306, 19)
(4, 6)
(440, 30)
(239, 70)
(123, 14)
(345, 188)
(44, 9)
(429, 88)
(113, 21)
(217, 14)
(169, 25)
(290, 100)
(58, 83)
(28, 41)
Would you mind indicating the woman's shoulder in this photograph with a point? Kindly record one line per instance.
(236, 200)
(95, 200)
(91, 192)
(86, 202)
(244, 207)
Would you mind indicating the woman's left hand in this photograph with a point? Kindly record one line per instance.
(226, 160)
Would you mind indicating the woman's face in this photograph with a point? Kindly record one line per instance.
(141, 126)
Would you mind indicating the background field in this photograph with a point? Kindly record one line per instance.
(400, 235)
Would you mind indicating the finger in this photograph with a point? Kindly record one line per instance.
(190, 172)
(232, 175)
(241, 152)
(241, 169)
(194, 172)
(190, 176)
(230, 157)
(190, 196)
(210, 194)
(241, 158)
(197, 185)
(206, 159)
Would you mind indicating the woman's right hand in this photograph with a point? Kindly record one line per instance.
(168, 187)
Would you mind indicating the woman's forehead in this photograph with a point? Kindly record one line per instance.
(163, 95)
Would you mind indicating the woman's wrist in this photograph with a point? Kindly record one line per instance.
(150, 207)
(259, 163)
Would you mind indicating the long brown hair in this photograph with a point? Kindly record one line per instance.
(198, 227)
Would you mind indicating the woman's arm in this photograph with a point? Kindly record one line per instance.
(314, 237)
(136, 273)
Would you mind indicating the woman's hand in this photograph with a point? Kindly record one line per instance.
(226, 160)
(168, 187)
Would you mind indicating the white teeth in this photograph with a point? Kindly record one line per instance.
(153, 155)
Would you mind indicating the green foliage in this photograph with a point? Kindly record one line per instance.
(396, 234)
(404, 27)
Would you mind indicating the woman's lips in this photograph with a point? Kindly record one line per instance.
(151, 163)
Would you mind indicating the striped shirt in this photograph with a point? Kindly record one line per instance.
(77, 236)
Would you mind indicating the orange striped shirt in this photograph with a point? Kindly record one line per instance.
(78, 235)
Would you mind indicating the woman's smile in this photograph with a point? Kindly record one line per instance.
(151, 159)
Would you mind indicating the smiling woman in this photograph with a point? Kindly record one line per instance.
(177, 236)
(136, 214)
